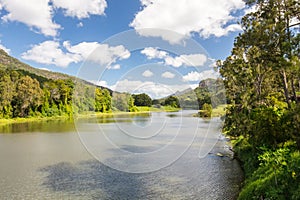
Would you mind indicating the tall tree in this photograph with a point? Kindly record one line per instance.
(263, 54)
(29, 96)
(7, 92)
(142, 100)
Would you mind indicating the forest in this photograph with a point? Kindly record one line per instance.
(262, 81)
(24, 94)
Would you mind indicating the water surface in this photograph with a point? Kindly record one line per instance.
(47, 160)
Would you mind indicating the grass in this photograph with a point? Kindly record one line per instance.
(219, 111)
(156, 109)
(141, 109)
(216, 112)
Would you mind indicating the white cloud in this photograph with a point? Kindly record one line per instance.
(147, 73)
(103, 53)
(195, 60)
(117, 66)
(175, 62)
(145, 2)
(80, 24)
(37, 14)
(153, 53)
(50, 52)
(251, 9)
(45, 69)
(206, 17)
(155, 90)
(198, 76)
(100, 83)
(81, 9)
(168, 75)
(7, 50)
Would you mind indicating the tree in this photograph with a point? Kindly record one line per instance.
(102, 100)
(172, 101)
(123, 102)
(263, 54)
(29, 96)
(263, 69)
(7, 92)
(142, 99)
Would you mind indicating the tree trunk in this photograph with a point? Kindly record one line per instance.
(294, 91)
(285, 87)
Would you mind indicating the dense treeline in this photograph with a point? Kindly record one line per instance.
(22, 95)
(262, 79)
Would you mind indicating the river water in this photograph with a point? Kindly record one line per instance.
(179, 159)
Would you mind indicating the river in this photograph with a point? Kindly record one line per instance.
(146, 156)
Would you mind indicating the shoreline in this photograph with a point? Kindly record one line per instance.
(18, 120)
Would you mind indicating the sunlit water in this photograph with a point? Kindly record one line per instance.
(47, 160)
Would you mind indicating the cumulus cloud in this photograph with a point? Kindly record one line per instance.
(37, 14)
(168, 75)
(147, 73)
(155, 90)
(7, 50)
(99, 53)
(195, 60)
(100, 83)
(80, 9)
(145, 2)
(153, 53)
(205, 17)
(198, 76)
(51, 53)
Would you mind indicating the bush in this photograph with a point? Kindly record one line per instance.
(206, 110)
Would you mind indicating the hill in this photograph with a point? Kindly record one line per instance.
(29, 92)
(210, 91)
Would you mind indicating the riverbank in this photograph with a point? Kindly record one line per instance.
(223, 150)
(140, 110)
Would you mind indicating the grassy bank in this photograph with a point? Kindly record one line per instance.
(157, 109)
(30, 119)
(219, 111)
(140, 109)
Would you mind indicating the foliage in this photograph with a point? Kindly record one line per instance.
(123, 102)
(24, 96)
(102, 100)
(142, 99)
(210, 91)
(172, 101)
(262, 85)
(206, 110)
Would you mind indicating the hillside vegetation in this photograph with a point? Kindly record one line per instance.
(29, 92)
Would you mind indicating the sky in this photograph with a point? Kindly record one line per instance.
(152, 46)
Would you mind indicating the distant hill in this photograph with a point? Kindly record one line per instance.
(209, 91)
(9, 62)
(29, 92)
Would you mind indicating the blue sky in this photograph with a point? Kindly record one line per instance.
(157, 54)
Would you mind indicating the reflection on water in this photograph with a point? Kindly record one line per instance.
(49, 161)
(50, 126)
